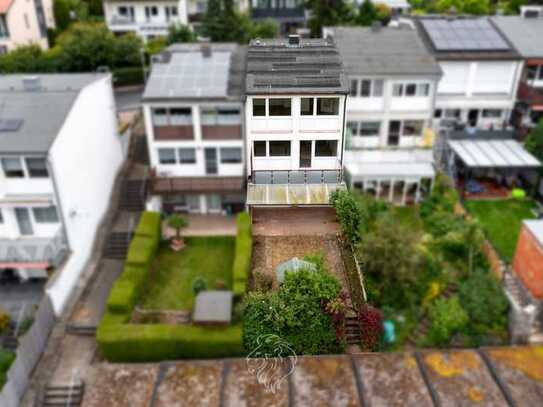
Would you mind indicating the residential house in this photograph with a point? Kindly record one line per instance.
(194, 119)
(59, 155)
(481, 72)
(525, 32)
(295, 113)
(289, 14)
(24, 22)
(393, 82)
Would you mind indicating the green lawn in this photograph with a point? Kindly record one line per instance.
(502, 220)
(170, 285)
(6, 359)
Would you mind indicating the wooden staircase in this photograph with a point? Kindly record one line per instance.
(133, 195)
(63, 396)
(116, 245)
(352, 331)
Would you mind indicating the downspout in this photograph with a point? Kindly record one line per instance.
(58, 201)
(343, 134)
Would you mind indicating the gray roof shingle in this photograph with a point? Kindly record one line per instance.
(43, 112)
(387, 51)
(313, 67)
(525, 34)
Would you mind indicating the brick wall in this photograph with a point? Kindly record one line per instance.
(528, 262)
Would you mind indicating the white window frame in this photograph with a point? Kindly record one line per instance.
(418, 85)
(372, 82)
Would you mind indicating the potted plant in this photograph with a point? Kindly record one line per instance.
(177, 222)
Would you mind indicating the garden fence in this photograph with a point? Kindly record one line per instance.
(28, 354)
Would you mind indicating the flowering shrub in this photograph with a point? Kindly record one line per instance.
(371, 326)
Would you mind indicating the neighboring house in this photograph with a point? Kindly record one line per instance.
(59, 156)
(528, 261)
(525, 32)
(481, 72)
(24, 22)
(193, 107)
(393, 81)
(289, 14)
(295, 112)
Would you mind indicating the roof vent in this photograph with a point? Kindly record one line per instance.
(31, 83)
(294, 40)
(205, 47)
(376, 26)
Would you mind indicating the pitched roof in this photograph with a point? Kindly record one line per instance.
(313, 67)
(386, 51)
(5, 5)
(198, 71)
(42, 111)
(526, 34)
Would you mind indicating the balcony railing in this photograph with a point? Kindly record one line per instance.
(122, 20)
(284, 177)
(52, 251)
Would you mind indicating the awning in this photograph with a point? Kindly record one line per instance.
(493, 154)
(291, 194)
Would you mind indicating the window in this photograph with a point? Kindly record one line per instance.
(365, 90)
(394, 132)
(410, 89)
(37, 167)
(452, 113)
(306, 107)
(160, 117)
(279, 107)
(413, 127)
(438, 113)
(228, 116)
(180, 116)
(4, 32)
(279, 148)
(259, 107)
(370, 129)
(531, 71)
(353, 128)
(186, 155)
(259, 148)
(327, 106)
(122, 10)
(423, 89)
(13, 167)
(1, 217)
(325, 148)
(166, 155)
(230, 155)
(492, 113)
(354, 88)
(45, 215)
(154, 11)
(397, 90)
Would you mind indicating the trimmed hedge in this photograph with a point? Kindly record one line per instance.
(149, 225)
(141, 252)
(156, 342)
(243, 256)
(126, 290)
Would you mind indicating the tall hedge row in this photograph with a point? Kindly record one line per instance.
(243, 255)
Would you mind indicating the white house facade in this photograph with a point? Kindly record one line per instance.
(393, 81)
(59, 158)
(195, 128)
(295, 122)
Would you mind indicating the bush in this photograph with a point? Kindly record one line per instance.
(122, 343)
(349, 213)
(5, 320)
(244, 251)
(371, 327)
(482, 296)
(295, 313)
(141, 252)
(6, 359)
(198, 285)
(126, 290)
(443, 197)
(132, 75)
(446, 318)
(149, 225)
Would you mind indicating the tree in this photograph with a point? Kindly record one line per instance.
(446, 318)
(327, 13)
(367, 13)
(67, 11)
(383, 13)
(28, 58)
(177, 222)
(180, 33)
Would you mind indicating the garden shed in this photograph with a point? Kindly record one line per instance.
(528, 261)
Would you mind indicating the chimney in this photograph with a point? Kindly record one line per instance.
(376, 26)
(294, 40)
(31, 83)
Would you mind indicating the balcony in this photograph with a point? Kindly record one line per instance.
(33, 252)
(121, 20)
(221, 132)
(165, 133)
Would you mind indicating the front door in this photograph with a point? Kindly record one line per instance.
(24, 222)
(305, 154)
(211, 160)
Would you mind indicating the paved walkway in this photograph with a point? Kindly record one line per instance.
(294, 221)
(205, 225)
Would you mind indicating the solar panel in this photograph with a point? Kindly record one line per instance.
(464, 35)
(10, 124)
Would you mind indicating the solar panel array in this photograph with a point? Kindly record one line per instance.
(464, 35)
(191, 74)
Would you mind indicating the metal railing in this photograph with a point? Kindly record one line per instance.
(51, 250)
(296, 177)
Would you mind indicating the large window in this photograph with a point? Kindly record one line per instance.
(13, 167)
(279, 107)
(230, 155)
(413, 127)
(492, 113)
(353, 128)
(37, 167)
(306, 106)
(370, 88)
(325, 148)
(176, 116)
(221, 116)
(259, 148)
(259, 107)
(45, 215)
(279, 148)
(353, 90)
(370, 129)
(186, 155)
(166, 156)
(411, 89)
(327, 106)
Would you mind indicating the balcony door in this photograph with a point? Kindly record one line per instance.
(305, 154)
(211, 161)
(23, 221)
(394, 133)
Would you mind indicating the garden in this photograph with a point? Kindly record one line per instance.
(164, 278)
(424, 269)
